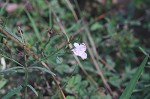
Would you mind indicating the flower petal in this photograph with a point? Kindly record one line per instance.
(83, 55)
(82, 47)
(79, 50)
(76, 44)
(75, 51)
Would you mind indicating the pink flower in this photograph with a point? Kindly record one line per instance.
(79, 50)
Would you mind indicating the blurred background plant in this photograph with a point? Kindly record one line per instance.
(111, 29)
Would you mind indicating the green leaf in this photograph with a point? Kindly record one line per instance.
(50, 18)
(74, 26)
(96, 26)
(143, 50)
(70, 97)
(33, 89)
(129, 89)
(2, 9)
(10, 69)
(12, 92)
(3, 81)
(111, 26)
(43, 69)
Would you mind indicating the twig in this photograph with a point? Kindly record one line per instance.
(95, 51)
(97, 67)
(71, 7)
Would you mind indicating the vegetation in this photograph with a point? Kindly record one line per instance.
(42, 43)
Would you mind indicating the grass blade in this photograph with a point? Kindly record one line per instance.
(128, 90)
(33, 89)
(12, 92)
(143, 50)
(50, 19)
(34, 26)
(3, 82)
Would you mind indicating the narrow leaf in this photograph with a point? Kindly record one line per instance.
(130, 87)
(43, 69)
(50, 19)
(34, 25)
(11, 59)
(3, 81)
(12, 92)
(33, 89)
(143, 50)
(10, 69)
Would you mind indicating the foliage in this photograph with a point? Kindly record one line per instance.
(116, 36)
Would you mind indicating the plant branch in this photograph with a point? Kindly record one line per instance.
(28, 51)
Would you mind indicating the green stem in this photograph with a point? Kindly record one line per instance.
(26, 65)
(26, 73)
(26, 81)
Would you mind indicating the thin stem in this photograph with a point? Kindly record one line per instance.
(12, 60)
(44, 46)
(25, 59)
(26, 74)
(48, 56)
